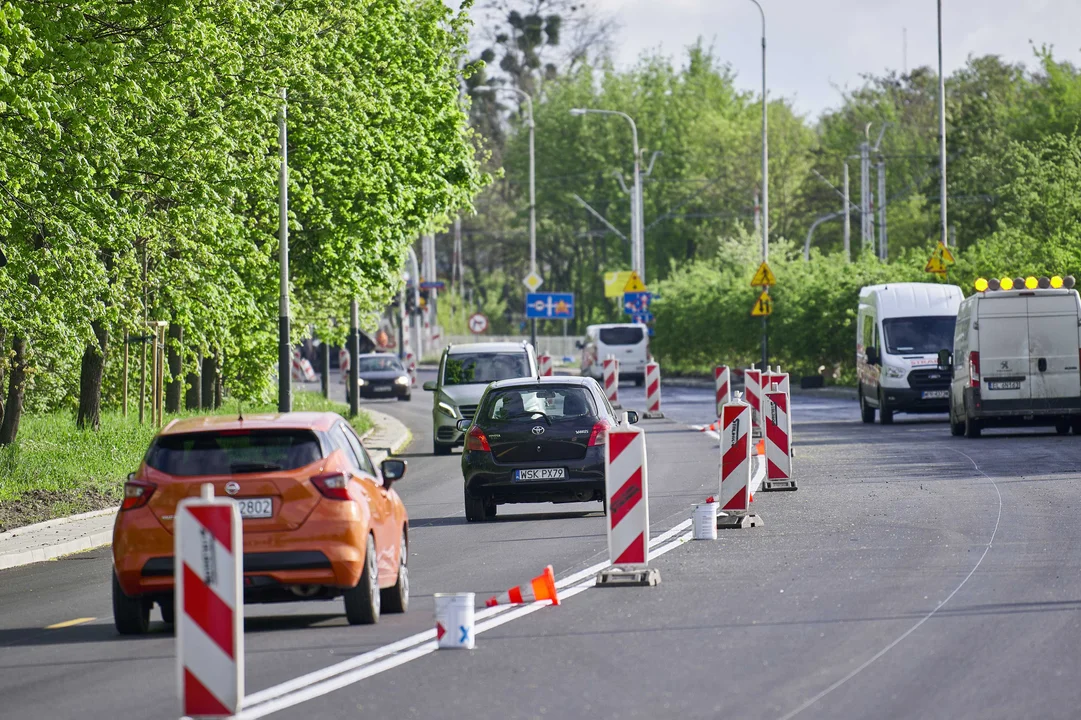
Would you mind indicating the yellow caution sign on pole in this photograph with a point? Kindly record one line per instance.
(764, 277)
(940, 260)
(634, 284)
(763, 306)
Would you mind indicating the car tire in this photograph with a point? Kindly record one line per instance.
(1062, 428)
(885, 414)
(972, 427)
(639, 381)
(1076, 424)
(362, 603)
(131, 615)
(396, 599)
(474, 508)
(490, 509)
(167, 608)
(957, 428)
(439, 448)
(867, 413)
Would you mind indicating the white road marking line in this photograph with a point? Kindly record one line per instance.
(925, 618)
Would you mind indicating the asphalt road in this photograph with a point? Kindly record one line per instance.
(912, 575)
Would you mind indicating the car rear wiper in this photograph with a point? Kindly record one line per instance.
(247, 467)
(531, 414)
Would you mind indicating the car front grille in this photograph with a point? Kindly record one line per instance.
(467, 411)
(932, 379)
(446, 433)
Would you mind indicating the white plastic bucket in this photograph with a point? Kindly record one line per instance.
(454, 613)
(705, 521)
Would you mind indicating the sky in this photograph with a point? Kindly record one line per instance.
(817, 48)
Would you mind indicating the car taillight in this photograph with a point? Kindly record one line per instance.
(599, 436)
(974, 368)
(136, 494)
(477, 440)
(333, 485)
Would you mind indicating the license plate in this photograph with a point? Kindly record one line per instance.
(255, 507)
(381, 388)
(935, 394)
(541, 474)
(1007, 385)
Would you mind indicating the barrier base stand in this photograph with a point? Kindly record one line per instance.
(738, 522)
(619, 577)
(653, 415)
(777, 485)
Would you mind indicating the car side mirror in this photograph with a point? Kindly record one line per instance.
(431, 385)
(872, 356)
(631, 416)
(579, 345)
(945, 359)
(462, 425)
(393, 470)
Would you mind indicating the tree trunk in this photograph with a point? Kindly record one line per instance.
(3, 367)
(193, 400)
(9, 430)
(175, 388)
(93, 368)
(210, 375)
(218, 391)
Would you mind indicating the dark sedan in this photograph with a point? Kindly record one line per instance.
(383, 376)
(536, 440)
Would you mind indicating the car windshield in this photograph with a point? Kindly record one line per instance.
(466, 368)
(626, 335)
(379, 364)
(918, 335)
(556, 403)
(233, 451)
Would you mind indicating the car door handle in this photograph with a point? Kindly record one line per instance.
(1042, 364)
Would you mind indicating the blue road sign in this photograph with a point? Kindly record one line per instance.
(644, 317)
(636, 302)
(549, 306)
(433, 285)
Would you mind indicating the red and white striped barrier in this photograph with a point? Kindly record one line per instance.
(722, 385)
(544, 365)
(411, 366)
(343, 364)
(735, 488)
(776, 381)
(301, 370)
(752, 392)
(611, 381)
(778, 442)
(209, 570)
(653, 390)
(626, 490)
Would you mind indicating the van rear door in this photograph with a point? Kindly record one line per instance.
(627, 343)
(1004, 351)
(1053, 351)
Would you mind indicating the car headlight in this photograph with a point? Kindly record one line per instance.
(361, 382)
(403, 380)
(446, 409)
(894, 372)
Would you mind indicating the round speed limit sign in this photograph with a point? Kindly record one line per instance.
(478, 323)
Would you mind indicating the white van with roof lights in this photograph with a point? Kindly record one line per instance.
(1017, 358)
(900, 329)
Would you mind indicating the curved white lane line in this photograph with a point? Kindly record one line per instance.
(925, 618)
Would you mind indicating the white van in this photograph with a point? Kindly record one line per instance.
(627, 342)
(1017, 360)
(900, 329)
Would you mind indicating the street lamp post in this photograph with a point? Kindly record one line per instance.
(942, 134)
(765, 180)
(285, 390)
(532, 186)
(638, 253)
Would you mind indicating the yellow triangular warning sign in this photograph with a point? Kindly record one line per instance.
(764, 277)
(939, 260)
(763, 306)
(634, 284)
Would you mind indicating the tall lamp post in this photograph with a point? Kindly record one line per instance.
(638, 254)
(942, 134)
(532, 186)
(285, 389)
(765, 180)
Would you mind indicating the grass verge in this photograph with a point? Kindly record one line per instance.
(54, 469)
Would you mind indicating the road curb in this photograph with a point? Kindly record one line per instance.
(388, 435)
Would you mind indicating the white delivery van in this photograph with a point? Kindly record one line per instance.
(626, 342)
(1017, 360)
(900, 329)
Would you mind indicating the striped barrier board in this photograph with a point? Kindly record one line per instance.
(752, 393)
(653, 391)
(722, 385)
(778, 443)
(544, 365)
(209, 569)
(610, 370)
(735, 475)
(626, 490)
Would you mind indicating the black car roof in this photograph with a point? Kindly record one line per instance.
(533, 381)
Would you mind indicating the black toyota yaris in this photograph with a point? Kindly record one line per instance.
(536, 440)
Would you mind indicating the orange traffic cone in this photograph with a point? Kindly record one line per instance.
(760, 448)
(542, 587)
(714, 427)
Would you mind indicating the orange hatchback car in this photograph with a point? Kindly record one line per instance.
(320, 520)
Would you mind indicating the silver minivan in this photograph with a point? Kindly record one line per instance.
(1016, 360)
(464, 373)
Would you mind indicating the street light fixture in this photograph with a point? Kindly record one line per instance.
(765, 179)
(532, 185)
(638, 254)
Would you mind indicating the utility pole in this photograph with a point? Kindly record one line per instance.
(848, 216)
(883, 250)
(942, 133)
(765, 180)
(285, 389)
(354, 359)
(455, 266)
